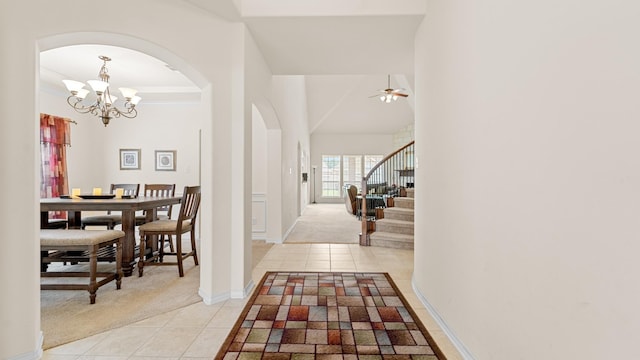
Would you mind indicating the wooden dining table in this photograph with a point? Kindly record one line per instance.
(128, 207)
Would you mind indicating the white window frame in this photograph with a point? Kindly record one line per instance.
(364, 169)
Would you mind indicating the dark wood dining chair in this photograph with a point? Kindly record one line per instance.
(162, 212)
(173, 230)
(111, 220)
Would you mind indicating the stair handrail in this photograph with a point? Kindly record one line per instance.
(364, 235)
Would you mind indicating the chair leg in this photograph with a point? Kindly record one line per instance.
(171, 248)
(179, 254)
(143, 242)
(193, 247)
(161, 247)
(119, 273)
(43, 266)
(93, 269)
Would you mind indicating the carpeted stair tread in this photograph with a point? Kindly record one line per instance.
(398, 213)
(411, 192)
(395, 226)
(404, 202)
(391, 240)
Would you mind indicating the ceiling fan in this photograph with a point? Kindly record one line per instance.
(390, 94)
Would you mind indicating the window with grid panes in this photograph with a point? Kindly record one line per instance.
(370, 161)
(331, 176)
(352, 170)
(341, 170)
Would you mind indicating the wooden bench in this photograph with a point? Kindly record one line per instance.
(82, 246)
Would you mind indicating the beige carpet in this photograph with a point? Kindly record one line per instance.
(325, 223)
(67, 315)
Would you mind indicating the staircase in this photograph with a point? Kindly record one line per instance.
(395, 230)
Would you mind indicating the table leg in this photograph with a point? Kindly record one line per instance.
(44, 219)
(75, 219)
(128, 250)
(151, 215)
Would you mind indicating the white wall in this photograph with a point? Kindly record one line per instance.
(260, 171)
(528, 154)
(344, 144)
(259, 95)
(259, 151)
(404, 136)
(93, 157)
(207, 60)
(289, 102)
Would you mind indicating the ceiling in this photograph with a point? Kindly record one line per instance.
(344, 48)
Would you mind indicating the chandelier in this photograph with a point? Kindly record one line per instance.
(104, 104)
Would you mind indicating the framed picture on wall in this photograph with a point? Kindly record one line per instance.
(129, 159)
(165, 160)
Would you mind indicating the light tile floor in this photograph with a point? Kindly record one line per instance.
(197, 331)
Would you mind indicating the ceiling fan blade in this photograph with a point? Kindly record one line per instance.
(389, 91)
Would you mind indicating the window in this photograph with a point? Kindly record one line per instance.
(330, 175)
(352, 170)
(339, 170)
(370, 161)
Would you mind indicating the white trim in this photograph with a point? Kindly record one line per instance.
(259, 198)
(274, 240)
(210, 300)
(258, 236)
(244, 293)
(34, 355)
(466, 355)
(289, 230)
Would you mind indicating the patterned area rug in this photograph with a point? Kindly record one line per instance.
(309, 315)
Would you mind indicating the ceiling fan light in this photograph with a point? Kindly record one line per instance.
(383, 98)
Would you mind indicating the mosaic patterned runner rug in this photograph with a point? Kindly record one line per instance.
(309, 315)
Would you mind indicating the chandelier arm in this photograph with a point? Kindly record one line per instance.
(104, 106)
(95, 112)
(130, 112)
(75, 103)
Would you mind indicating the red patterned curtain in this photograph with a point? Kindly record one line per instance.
(55, 136)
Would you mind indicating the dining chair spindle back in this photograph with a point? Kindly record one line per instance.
(152, 254)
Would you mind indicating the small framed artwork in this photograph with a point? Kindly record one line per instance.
(129, 159)
(165, 160)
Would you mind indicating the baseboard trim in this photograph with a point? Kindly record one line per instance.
(210, 300)
(284, 237)
(34, 355)
(242, 294)
(466, 355)
(258, 236)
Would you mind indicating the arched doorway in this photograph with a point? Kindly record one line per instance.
(120, 131)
